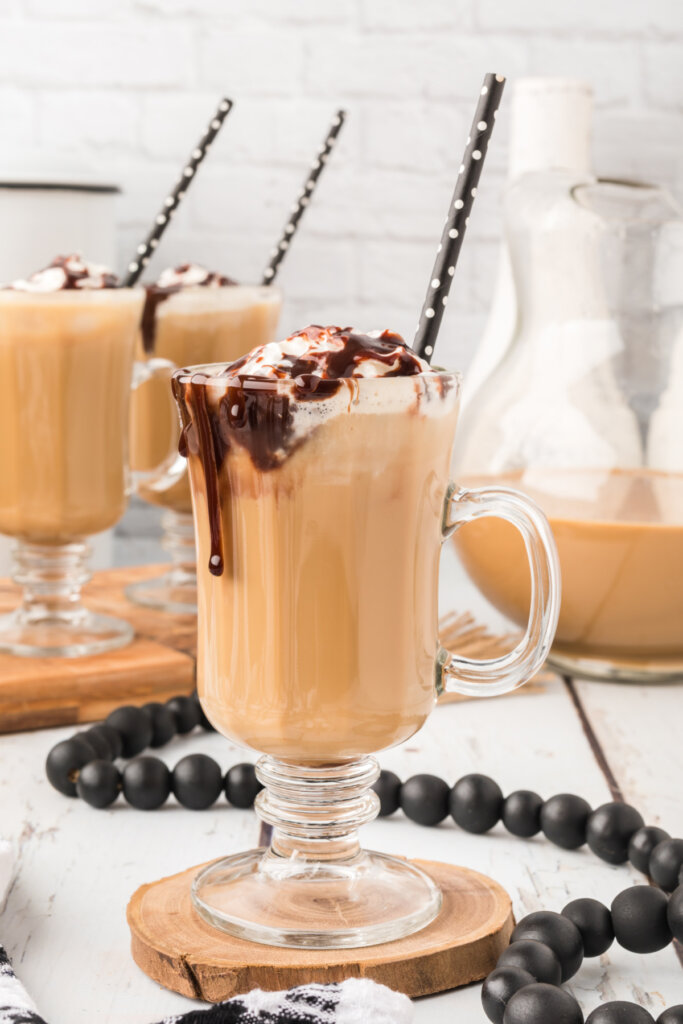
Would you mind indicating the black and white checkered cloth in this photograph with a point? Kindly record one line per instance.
(355, 1001)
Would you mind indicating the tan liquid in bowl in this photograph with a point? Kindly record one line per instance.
(620, 541)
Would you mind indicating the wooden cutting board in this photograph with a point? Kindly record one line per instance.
(40, 692)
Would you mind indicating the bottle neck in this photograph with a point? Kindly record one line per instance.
(551, 126)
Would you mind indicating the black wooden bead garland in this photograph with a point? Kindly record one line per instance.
(546, 948)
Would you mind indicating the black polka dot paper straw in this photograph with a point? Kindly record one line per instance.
(458, 216)
(304, 198)
(145, 250)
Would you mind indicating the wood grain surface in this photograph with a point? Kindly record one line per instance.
(158, 664)
(177, 949)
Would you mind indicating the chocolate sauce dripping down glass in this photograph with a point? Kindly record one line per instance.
(256, 413)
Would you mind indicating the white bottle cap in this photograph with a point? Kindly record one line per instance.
(550, 125)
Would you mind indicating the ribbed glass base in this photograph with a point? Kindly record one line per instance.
(174, 591)
(314, 887)
(52, 622)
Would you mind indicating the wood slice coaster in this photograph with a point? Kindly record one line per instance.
(180, 951)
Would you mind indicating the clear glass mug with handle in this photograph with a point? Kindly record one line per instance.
(319, 525)
(67, 365)
(195, 324)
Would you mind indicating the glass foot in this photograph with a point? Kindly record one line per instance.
(174, 592)
(278, 901)
(68, 636)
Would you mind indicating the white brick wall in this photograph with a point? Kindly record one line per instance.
(127, 85)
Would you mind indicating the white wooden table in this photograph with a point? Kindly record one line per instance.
(63, 921)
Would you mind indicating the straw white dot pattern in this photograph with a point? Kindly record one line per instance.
(304, 197)
(171, 202)
(458, 215)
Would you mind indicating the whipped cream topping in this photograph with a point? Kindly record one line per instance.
(65, 273)
(330, 354)
(190, 275)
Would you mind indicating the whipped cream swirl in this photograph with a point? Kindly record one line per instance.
(191, 275)
(330, 354)
(66, 273)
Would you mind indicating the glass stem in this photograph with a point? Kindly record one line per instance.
(316, 811)
(51, 576)
(178, 541)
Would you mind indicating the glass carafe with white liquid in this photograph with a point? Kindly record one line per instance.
(585, 414)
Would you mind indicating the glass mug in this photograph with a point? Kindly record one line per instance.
(193, 325)
(318, 630)
(66, 360)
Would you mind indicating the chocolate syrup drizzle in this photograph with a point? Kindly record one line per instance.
(156, 294)
(260, 418)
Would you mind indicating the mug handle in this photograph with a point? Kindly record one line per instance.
(488, 677)
(170, 469)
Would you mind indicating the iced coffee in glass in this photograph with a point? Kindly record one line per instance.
(67, 344)
(191, 315)
(319, 473)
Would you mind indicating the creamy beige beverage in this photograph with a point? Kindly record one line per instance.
(67, 339)
(318, 510)
(191, 316)
(620, 539)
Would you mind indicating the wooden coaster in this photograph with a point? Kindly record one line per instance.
(180, 951)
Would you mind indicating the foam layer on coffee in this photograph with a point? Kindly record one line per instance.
(66, 273)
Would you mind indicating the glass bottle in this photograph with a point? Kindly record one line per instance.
(550, 130)
(585, 414)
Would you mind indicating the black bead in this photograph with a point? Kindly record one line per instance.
(186, 711)
(642, 844)
(594, 921)
(609, 830)
(135, 728)
(500, 987)
(424, 799)
(666, 861)
(563, 820)
(557, 932)
(542, 1004)
(99, 783)
(619, 1012)
(672, 1015)
(674, 914)
(98, 741)
(164, 726)
(203, 720)
(534, 957)
(476, 803)
(241, 785)
(522, 813)
(146, 783)
(113, 737)
(639, 919)
(388, 789)
(65, 760)
(197, 781)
